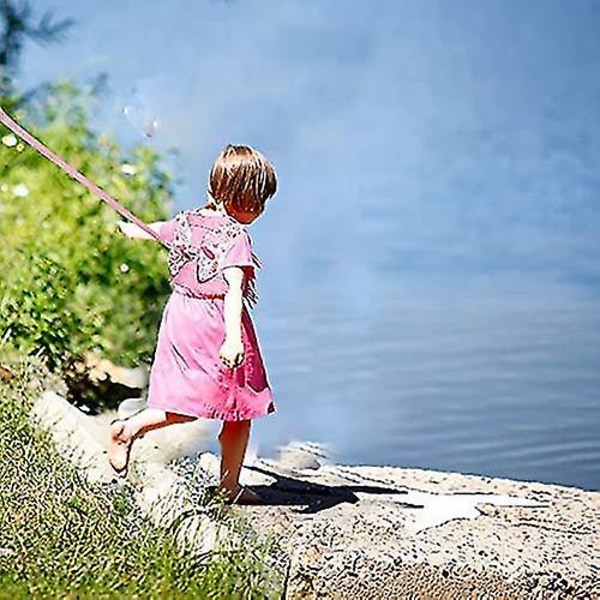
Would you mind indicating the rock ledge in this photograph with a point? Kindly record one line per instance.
(377, 532)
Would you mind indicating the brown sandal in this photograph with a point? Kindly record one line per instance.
(246, 497)
(241, 497)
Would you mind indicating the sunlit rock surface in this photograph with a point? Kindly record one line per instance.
(369, 532)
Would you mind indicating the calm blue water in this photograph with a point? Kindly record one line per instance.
(496, 379)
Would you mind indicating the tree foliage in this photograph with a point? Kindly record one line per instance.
(18, 26)
(70, 283)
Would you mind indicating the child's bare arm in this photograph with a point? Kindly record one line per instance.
(133, 231)
(232, 350)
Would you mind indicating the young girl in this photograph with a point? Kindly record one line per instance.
(208, 362)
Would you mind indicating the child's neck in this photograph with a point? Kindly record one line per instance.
(212, 211)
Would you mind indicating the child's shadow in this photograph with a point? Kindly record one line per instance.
(314, 497)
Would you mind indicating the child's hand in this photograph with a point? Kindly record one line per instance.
(127, 228)
(232, 353)
(131, 230)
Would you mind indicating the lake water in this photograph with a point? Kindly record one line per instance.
(497, 379)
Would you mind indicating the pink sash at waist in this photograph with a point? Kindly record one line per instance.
(184, 291)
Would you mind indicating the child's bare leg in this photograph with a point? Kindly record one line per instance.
(153, 418)
(123, 432)
(234, 441)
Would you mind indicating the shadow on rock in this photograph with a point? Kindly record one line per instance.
(315, 497)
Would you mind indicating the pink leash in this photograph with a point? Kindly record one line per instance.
(74, 173)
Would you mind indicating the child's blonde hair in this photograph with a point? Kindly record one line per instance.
(242, 179)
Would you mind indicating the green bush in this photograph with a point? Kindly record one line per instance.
(70, 283)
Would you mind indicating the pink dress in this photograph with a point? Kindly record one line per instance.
(187, 375)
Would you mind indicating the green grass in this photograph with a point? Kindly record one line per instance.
(61, 537)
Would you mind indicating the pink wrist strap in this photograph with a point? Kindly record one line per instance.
(74, 173)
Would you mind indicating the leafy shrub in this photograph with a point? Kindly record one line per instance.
(70, 283)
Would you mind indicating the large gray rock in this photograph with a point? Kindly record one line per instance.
(384, 532)
(161, 494)
(370, 532)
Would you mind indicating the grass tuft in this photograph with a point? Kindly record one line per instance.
(61, 536)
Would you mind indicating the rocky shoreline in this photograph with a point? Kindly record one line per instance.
(367, 532)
